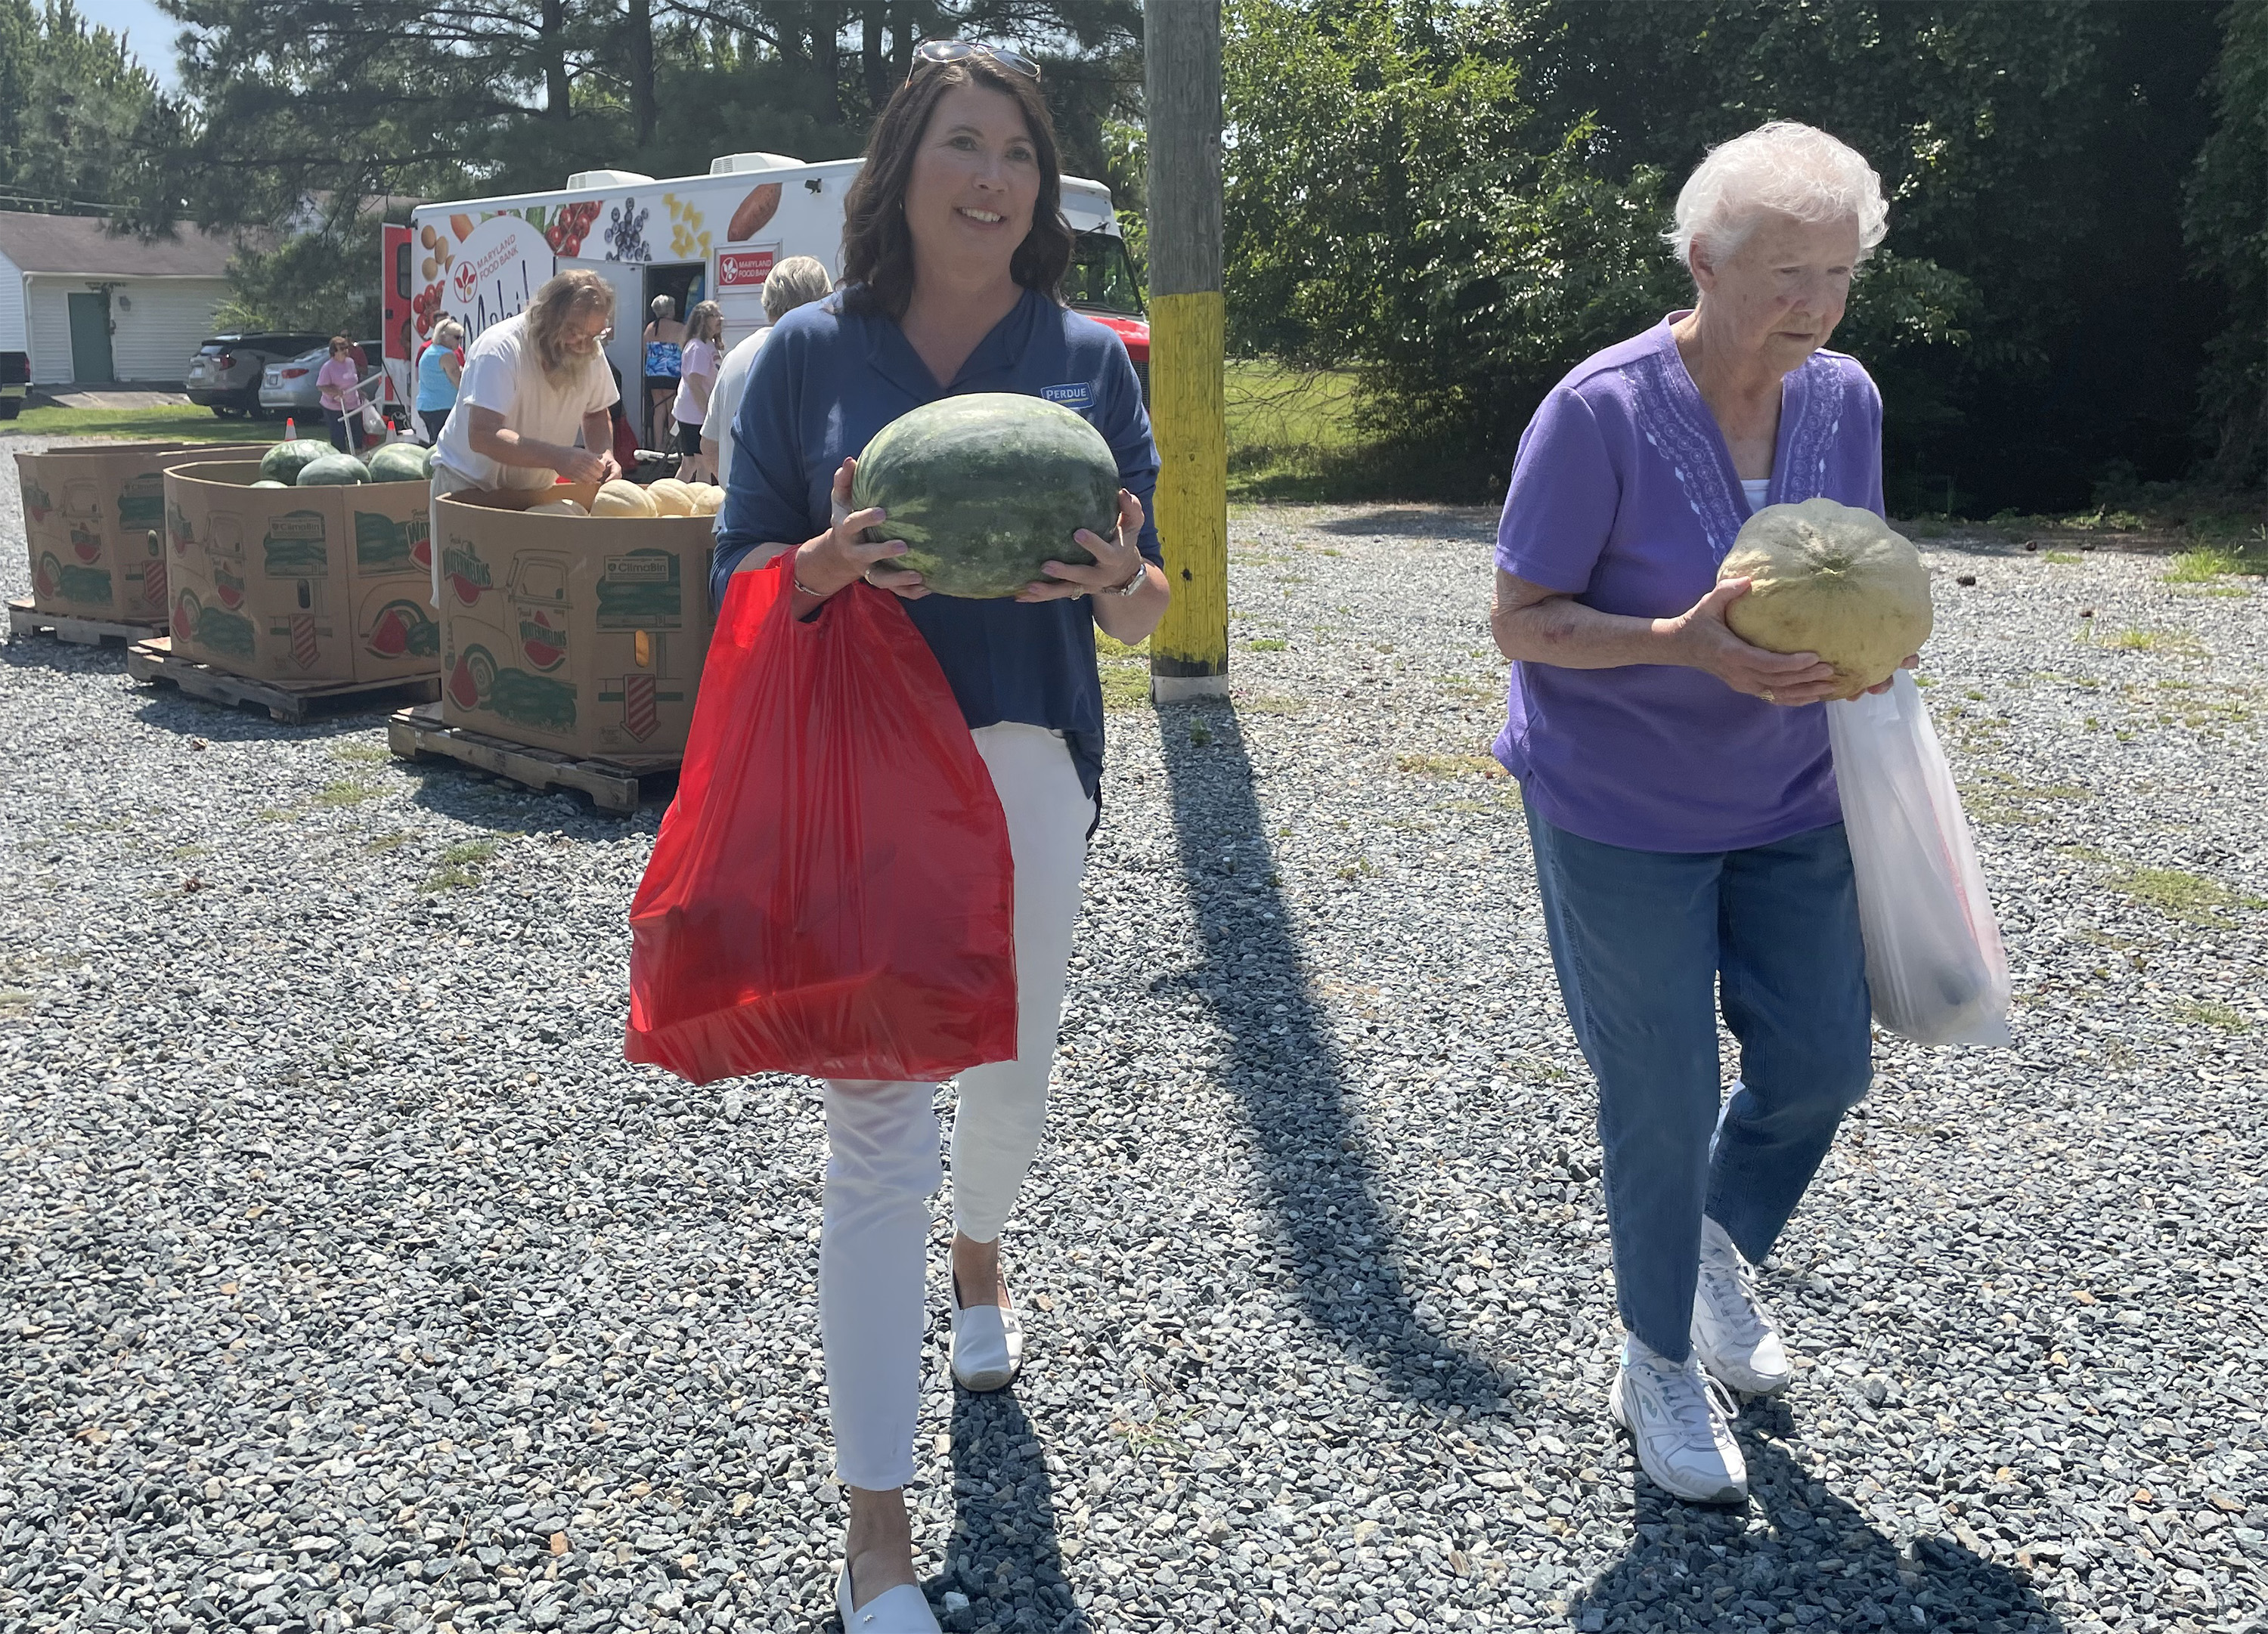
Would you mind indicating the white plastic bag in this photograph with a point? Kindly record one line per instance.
(1933, 960)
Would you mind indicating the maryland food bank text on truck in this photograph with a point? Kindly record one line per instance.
(698, 237)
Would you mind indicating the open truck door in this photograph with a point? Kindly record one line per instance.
(626, 350)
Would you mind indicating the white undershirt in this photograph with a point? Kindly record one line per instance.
(1756, 488)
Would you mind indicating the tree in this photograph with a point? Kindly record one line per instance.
(72, 104)
(2226, 218)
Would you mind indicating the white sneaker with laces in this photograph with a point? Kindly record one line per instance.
(1734, 1335)
(1682, 1429)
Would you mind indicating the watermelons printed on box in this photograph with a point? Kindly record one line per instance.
(178, 527)
(68, 581)
(294, 547)
(383, 545)
(641, 589)
(39, 505)
(214, 629)
(478, 681)
(404, 628)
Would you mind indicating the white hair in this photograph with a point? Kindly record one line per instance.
(1782, 168)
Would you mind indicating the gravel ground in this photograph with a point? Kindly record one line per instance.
(349, 1277)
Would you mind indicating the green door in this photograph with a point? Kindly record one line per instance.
(90, 321)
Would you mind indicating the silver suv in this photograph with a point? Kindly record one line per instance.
(288, 386)
(225, 375)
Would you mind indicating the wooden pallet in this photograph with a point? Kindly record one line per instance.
(154, 660)
(24, 619)
(616, 783)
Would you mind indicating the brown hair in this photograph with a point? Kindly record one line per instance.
(877, 248)
(705, 323)
(561, 296)
(340, 344)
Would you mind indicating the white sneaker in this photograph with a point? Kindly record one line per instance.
(1683, 1433)
(988, 1346)
(1734, 1335)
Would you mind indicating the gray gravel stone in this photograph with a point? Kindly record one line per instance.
(349, 1278)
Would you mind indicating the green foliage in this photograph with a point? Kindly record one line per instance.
(325, 280)
(1392, 204)
(72, 105)
(2227, 220)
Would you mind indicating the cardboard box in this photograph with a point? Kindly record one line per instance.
(88, 515)
(313, 585)
(581, 634)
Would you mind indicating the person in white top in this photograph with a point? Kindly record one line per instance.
(530, 385)
(795, 281)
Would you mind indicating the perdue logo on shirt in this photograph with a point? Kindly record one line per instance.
(1074, 394)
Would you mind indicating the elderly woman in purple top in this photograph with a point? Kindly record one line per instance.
(1688, 837)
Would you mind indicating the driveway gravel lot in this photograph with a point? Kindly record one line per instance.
(349, 1277)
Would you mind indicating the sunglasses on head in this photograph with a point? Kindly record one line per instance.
(930, 53)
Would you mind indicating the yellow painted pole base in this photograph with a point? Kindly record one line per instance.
(1189, 418)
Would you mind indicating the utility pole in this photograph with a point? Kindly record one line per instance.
(1181, 94)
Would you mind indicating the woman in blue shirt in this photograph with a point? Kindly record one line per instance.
(954, 244)
(439, 368)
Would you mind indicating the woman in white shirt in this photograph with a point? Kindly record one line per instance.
(704, 327)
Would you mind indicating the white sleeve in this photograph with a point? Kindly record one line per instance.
(491, 380)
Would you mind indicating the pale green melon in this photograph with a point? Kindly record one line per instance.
(1831, 579)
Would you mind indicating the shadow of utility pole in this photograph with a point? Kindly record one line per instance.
(1004, 1555)
(1285, 1070)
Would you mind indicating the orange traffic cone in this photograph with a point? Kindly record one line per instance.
(291, 430)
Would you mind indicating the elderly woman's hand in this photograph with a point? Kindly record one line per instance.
(1706, 642)
(1913, 660)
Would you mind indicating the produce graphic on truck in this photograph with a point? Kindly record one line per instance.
(693, 237)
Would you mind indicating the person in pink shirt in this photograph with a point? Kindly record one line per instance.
(338, 385)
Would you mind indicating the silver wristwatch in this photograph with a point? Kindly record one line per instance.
(1134, 584)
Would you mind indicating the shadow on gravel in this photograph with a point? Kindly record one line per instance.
(1430, 522)
(1817, 1562)
(192, 717)
(1285, 1070)
(1004, 1554)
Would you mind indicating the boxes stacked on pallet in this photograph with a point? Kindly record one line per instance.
(314, 586)
(584, 635)
(89, 514)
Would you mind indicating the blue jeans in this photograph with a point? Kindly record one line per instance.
(1648, 944)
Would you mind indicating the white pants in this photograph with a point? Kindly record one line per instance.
(881, 1138)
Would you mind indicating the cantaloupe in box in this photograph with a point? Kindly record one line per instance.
(88, 515)
(581, 634)
(315, 585)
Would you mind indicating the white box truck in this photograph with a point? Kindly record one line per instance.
(695, 238)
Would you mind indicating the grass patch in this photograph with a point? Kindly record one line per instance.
(1111, 647)
(347, 791)
(2172, 643)
(2000, 797)
(386, 843)
(471, 851)
(459, 866)
(180, 423)
(450, 879)
(2191, 898)
(361, 753)
(1266, 643)
(276, 814)
(1126, 686)
(2061, 558)
(2211, 1012)
(188, 853)
(1448, 765)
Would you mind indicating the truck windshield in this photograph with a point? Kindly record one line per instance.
(1102, 278)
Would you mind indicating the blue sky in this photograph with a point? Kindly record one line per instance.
(148, 31)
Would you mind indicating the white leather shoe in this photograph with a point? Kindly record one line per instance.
(988, 1346)
(900, 1610)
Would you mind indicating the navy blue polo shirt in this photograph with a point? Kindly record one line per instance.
(827, 379)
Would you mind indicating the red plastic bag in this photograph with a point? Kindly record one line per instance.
(831, 892)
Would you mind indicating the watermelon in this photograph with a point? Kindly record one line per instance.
(984, 487)
(333, 470)
(401, 463)
(283, 462)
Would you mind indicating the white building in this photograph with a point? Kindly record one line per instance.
(90, 308)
